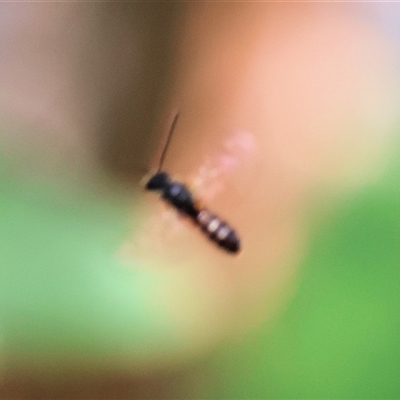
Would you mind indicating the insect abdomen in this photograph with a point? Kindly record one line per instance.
(218, 231)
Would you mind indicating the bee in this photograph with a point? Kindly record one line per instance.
(180, 197)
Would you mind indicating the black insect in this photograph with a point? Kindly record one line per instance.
(179, 196)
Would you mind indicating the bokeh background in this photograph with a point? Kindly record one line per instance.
(338, 336)
(95, 304)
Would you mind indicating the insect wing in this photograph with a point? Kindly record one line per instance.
(215, 169)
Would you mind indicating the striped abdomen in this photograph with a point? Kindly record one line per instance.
(218, 231)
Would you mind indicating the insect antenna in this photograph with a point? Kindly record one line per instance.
(167, 143)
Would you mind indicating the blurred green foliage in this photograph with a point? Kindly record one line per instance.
(64, 295)
(340, 335)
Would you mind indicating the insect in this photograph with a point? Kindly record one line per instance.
(179, 196)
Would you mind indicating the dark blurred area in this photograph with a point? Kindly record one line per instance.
(133, 108)
(99, 385)
(83, 84)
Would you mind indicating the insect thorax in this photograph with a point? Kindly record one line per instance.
(179, 196)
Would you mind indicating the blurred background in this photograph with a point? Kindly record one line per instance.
(288, 129)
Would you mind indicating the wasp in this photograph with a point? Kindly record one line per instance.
(180, 197)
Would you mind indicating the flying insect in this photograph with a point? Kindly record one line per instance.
(180, 197)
